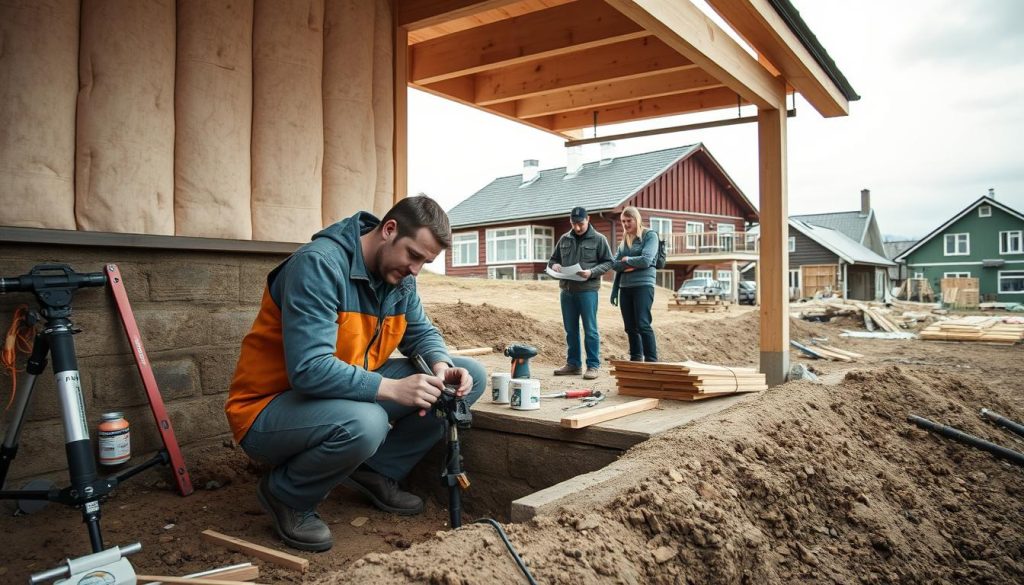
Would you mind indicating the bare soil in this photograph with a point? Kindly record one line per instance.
(810, 482)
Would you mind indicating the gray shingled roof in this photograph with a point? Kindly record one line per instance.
(851, 223)
(595, 186)
(844, 247)
(894, 249)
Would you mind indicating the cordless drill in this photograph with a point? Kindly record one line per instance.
(520, 355)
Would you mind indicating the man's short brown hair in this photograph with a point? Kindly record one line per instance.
(413, 213)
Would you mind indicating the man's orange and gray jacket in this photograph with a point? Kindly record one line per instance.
(322, 329)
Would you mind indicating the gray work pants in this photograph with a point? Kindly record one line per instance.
(315, 443)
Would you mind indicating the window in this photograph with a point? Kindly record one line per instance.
(520, 244)
(694, 234)
(1011, 282)
(663, 227)
(919, 275)
(792, 244)
(725, 279)
(726, 233)
(708, 274)
(958, 245)
(1010, 242)
(665, 278)
(464, 249)
(956, 275)
(794, 278)
(985, 211)
(501, 272)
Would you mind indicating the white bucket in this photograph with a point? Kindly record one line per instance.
(500, 387)
(525, 394)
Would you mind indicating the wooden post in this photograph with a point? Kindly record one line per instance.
(401, 97)
(773, 255)
(735, 283)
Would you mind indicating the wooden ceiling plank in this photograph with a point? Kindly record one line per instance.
(688, 30)
(761, 26)
(685, 103)
(505, 110)
(604, 94)
(559, 30)
(416, 14)
(624, 60)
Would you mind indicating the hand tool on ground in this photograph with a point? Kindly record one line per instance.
(520, 354)
(587, 401)
(570, 394)
(111, 564)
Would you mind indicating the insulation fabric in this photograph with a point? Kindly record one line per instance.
(287, 130)
(213, 119)
(38, 82)
(383, 108)
(124, 170)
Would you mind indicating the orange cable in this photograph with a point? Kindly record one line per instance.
(18, 339)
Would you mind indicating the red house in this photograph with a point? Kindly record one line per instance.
(508, 229)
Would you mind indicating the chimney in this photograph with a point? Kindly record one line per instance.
(992, 192)
(573, 160)
(865, 202)
(531, 168)
(607, 152)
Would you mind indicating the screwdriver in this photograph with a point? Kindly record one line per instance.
(570, 394)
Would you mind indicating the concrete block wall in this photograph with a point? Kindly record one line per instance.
(192, 308)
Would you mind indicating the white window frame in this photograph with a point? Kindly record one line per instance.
(792, 244)
(919, 275)
(1008, 238)
(492, 271)
(956, 275)
(985, 211)
(663, 227)
(1010, 275)
(525, 237)
(665, 279)
(693, 236)
(956, 240)
(726, 237)
(462, 239)
(724, 278)
(708, 274)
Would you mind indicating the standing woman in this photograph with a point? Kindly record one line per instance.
(633, 287)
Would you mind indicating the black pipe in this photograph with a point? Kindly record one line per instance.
(962, 437)
(1014, 427)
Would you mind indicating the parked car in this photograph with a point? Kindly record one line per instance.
(699, 287)
(747, 292)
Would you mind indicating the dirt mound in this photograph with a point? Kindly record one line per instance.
(811, 482)
(467, 325)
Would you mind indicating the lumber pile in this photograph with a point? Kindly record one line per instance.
(820, 351)
(982, 329)
(701, 304)
(684, 380)
(916, 288)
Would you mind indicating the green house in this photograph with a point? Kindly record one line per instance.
(984, 241)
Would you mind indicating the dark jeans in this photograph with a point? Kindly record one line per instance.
(635, 304)
(576, 307)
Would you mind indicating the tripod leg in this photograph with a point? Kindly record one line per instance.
(35, 365)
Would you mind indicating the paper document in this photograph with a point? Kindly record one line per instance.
(566, 272)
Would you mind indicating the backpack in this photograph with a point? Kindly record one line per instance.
(661, 257)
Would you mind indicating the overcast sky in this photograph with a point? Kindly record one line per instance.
(940, 120)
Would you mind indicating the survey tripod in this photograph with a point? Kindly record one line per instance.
(54, 285)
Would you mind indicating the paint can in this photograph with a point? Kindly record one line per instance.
(115, 444)
(525, 394)
(500, 387)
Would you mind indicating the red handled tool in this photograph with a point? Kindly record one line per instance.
(570, 394)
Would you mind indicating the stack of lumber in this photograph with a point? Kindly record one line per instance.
(821, 351)
(703, 304)
(684, 380)
(1001, 330)
(873, 317)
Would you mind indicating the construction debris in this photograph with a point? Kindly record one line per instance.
(277, 557)
(704, 304)
(826, 352)
(684, 380)
(983, 329)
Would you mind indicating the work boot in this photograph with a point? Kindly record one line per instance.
(301, 529)
(383, 492)
(590, 374)
(568, 370)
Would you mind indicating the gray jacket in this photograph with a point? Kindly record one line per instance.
(590, 250)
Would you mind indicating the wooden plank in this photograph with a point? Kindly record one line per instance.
(579, 421)
(556, 31)
(185, 580)
(698, 101)
(472, 351)
(279, 558)
(415, 14)
(237, 574)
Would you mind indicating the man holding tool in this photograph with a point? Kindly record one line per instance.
(315, 394)
(587, 247)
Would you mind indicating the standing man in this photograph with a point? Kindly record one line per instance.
(316, 395)
(585, 246)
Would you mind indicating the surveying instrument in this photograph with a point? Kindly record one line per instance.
(53, 286)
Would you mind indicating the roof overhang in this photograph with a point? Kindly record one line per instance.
(564, 65)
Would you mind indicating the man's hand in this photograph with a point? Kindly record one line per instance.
(458, 377)
(556, 267)
(584, 273)
(418, 390)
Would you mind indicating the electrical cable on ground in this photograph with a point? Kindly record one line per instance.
(511, 549)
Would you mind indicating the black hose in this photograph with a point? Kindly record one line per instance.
(962, 437)
(511, 549)
(1014, 427)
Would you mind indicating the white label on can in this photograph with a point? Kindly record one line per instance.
(525, 394)
(500, 387)
(115, 446)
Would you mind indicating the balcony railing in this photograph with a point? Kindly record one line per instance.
(710, 243)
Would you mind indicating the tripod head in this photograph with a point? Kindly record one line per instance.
(453, 409)
(53, 286)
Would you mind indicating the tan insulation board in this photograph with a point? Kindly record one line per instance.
(287, 129)
(38, 83)
(350, 152)
(383, 108)
(213, 113)
(124, 164)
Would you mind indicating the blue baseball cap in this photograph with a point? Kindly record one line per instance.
(578, 214)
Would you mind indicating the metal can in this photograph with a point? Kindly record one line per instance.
(500, 387)
(525, 394)
(115, 444)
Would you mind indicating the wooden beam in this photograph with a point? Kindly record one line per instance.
(555, 31)
(605, 94)
(761, 26)
(400, 145)
(277, 557)
(711, 99)
(774, 246)
(505, 110)
(607, 413)
(619, 61)
(187, 580)
(415, 14)
(688, 30)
